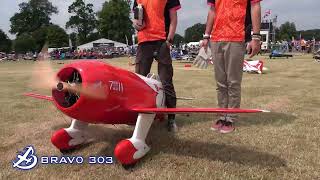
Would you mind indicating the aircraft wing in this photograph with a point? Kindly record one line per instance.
(195, 110)
(39, 96)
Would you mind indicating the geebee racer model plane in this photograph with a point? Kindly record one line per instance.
(128, 98)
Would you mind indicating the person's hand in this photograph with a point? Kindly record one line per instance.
(253, 47)
(203, 58)
(138, 26)
(168, 44)
(200, 62)
(204, 43)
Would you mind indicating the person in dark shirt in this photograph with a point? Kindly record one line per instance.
(155, 37)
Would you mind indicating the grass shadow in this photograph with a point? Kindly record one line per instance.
(100, 133)
(272, 118)
(113, 136)
(188, 119)
(161, 141)
(214, 152)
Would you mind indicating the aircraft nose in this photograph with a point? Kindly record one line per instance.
(60, 86)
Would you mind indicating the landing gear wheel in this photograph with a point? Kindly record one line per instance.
(124, 152)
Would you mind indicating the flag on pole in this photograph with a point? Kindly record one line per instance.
(267, 13)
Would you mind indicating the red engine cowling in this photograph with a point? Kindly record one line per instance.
(124, 89)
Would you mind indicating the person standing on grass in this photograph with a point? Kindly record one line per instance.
(155, 37)
(303, 44)
(228, 27)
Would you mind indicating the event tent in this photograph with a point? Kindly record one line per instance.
(101, 42)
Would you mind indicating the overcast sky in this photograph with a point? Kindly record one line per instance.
(305, 13)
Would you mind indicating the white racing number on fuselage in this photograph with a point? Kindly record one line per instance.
(116, 86)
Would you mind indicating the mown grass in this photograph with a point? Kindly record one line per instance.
(283, 144)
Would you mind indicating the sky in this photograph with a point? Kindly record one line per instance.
(304, 13)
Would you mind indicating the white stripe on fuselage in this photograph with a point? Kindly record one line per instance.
(157, 87)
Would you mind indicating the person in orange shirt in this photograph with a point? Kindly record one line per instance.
(155, 37)
(303, 45)
(228, 27)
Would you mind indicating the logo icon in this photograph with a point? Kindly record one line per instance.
(26, 159)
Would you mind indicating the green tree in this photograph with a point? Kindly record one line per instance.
(114, 21)
(178, 39)
(93, 36)
(5, 42)
(57, 37)
(194, 33)
(310, 34)
(33, 15)
(73, 37)
(53, 34)
(25, 43)
(83, 21)
(40, 37)
(286, 31)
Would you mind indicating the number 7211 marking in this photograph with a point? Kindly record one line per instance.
(116, 86)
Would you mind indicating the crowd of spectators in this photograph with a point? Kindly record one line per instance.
(12, 56)
(298, 46)
(92, 53)
(182, 52)
(185, 52)
(69, 53)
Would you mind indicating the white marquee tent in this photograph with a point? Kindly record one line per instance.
(101, 42)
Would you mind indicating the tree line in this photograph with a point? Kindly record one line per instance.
(288, 30)
(33, 27)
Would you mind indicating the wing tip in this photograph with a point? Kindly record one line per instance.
(38, 96)
(265, 111)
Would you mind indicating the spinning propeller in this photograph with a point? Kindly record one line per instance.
(43, 77)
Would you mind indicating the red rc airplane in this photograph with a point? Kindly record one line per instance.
(93, 92)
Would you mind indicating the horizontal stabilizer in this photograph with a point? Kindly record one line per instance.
(39, 96)
(196, 110)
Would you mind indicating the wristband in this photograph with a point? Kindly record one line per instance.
(206, 36)
(256, 37)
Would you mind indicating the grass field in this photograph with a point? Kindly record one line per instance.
(283, 144)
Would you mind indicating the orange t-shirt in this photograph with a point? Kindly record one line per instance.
(303, 42)
(232, 20)
(156, 18)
